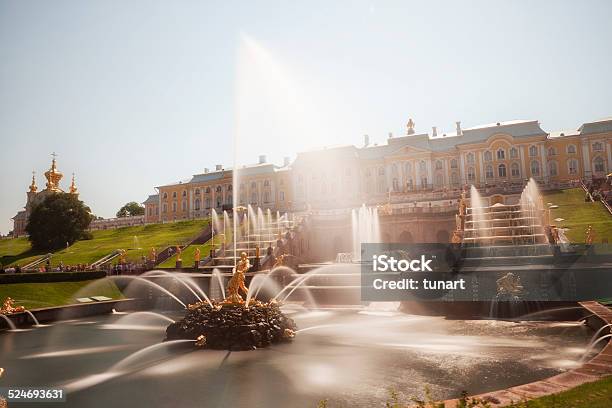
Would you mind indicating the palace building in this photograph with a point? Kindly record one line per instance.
(34, 196)
(405, 169)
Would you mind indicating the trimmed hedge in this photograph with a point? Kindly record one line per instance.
(45, 277)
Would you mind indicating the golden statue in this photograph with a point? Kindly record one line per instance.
(236, 282)
(590, 235)
(196, 255)
(153, 254)
(509, 284)
(280, 261)
(2, 400)
(456, 238)
(8, 308)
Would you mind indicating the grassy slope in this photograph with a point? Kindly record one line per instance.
(592, 395)
(578, 215)
(187, 256)
(137, 240)
(34, 295)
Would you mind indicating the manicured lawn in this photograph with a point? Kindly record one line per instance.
(137, 241)
(578, 214)
(35, 295)
(187, 256)
(592, 395)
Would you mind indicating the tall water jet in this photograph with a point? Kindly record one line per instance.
(532, 209)
(480, 222)
(365, 225)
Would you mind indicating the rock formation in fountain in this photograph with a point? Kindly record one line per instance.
(234, 324)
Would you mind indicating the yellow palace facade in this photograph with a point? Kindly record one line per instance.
(408, 168)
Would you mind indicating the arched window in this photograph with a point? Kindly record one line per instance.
(197, 191)
(470, 158)
(207, 203)
(571, 149)
(219, 189)
(501, 170)
(184, 205)
(219, 201)
(453, 163)
(599, 164)
(197, 204)
(174, 206)
(489, 172)
(471, 174)
(501, 154)
(229, 187)
(207, 190)
(572, 166)
(513, 152)
(174, 194)
(439, 164)
(164, 207)
(454, 178)
(422, 166)
(488, 156)
(597, 147)
(515, 170)
(229, 199)
(266, 183)
(533, 151)
(184, 193)
(254, 198)
(165, 196)
(552, 169)
(439, 180)
(535, 168)
(552, 151)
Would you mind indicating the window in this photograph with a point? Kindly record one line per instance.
(454, 178)
(501, 170)
(229, 199)
(197, 204)
(501, 154)
(254, 198)
(571, 149)
(394, 169)
(207, 190)
(453, 163)
(439, 164)
(470, 158)
(165, 208)
(197, 191)
(174, 194)
(381, 171)
(395, 184)
(219, 201)
(515, 171)
(149, 211)
(597, 147)
(439, 179)
(513, 152)
(184, 205)
(422, 166)
(489, 172)
(381, 186)
(282, 196)
(407, 168)
(533, 151)
(572, 166)
(174, 206)
(207, 203)
(535, 168)
(471, 174)
(165, 196)
(552, 151)
(229, 188)
(488, 156)
(219, 189)
(184, 193)
(267, 183)
(552, 168)
(599, 165)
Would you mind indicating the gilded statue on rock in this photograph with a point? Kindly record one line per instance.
(236, 282)
(8, 308)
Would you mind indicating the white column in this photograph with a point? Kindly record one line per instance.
(523, 164)
(544, 164)
(446, 176)
(586, 158)
(462, 168)
(429, 172)
(481, 170)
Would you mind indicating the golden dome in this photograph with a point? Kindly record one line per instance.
(53, 176)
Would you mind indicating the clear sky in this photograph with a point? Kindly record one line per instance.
(135, 94)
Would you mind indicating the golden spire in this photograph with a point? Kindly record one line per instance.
(53, 176)
(73, 189)
(33, 187)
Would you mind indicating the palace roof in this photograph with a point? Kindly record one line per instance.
(597, 126)
(153, 198)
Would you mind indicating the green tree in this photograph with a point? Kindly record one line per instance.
(130, 209)
(59, 219)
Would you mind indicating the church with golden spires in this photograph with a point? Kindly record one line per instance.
(53, 176)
